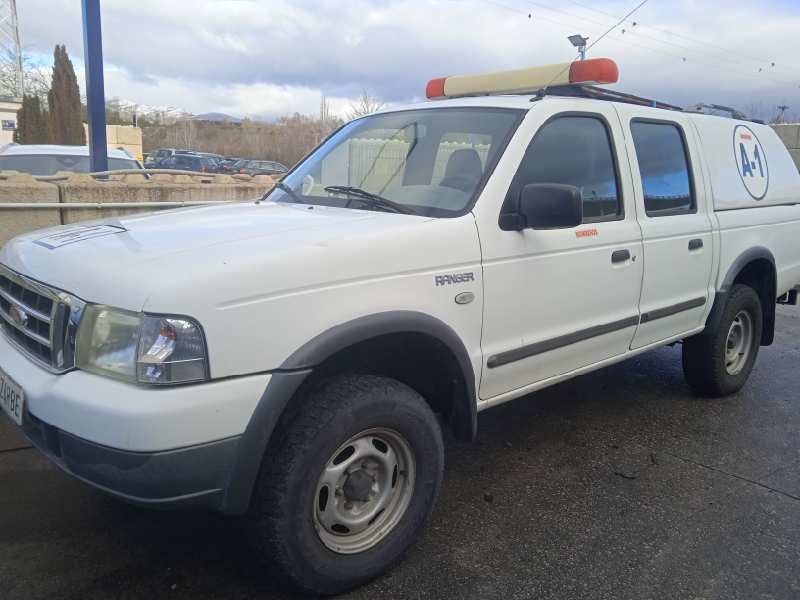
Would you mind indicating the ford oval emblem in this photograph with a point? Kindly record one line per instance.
(18, 316)
(465, 298)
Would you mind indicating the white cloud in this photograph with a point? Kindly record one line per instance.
(254, 100)
(259, 57)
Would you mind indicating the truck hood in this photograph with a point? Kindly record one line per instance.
(122, 262)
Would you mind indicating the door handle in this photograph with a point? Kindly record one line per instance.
(695, 244)
(619, 256)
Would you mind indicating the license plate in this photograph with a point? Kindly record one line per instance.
(12, 398)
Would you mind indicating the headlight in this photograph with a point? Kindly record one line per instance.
(140, 348)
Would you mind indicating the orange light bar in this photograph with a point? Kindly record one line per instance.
(592, 71)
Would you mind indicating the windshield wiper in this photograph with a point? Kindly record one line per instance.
(282, 186)
(375, 200)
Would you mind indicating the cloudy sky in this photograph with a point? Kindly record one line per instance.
(269, 58)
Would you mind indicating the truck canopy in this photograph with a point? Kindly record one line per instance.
(748, 163)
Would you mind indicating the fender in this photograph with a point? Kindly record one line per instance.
(721, 297)
(287, 379)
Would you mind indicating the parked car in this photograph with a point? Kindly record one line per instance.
(190, 162)
(295, 359)
(157, 157)
(216, 165)
(228, 165)
(262, 167)
(48, 159)
(239, 165)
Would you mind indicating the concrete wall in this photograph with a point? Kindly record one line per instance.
(790, 134)
(18, 188)
(23, 188)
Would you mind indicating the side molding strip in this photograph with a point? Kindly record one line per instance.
(516, 354)
(660, 313)
(504, 358)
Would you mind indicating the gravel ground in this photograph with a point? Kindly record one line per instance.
(619, 484)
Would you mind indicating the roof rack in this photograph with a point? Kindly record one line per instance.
(706, 109)
(596, 93)
(701, 108)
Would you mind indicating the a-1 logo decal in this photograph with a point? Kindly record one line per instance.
(751, 161)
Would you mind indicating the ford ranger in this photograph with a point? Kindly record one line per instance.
(295, 359)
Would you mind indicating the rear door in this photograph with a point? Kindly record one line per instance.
(557, 300)
(673, 211)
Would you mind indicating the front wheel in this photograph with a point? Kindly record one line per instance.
(349, 486)
(718, 363)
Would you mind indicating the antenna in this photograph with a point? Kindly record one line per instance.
(10, 49)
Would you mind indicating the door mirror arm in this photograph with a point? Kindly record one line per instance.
(512, 222)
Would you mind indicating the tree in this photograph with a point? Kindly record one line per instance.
(366, 105)
(64, 101)
(32, 123)
(186, 133)
(35, 79)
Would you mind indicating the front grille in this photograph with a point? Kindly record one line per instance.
(35, 318)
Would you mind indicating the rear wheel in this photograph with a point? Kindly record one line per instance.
(719, 363)
(349, 486)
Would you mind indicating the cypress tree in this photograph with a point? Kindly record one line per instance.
(32, 125)
(64, 100)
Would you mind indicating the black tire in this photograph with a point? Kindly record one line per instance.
(282, 524)
(704, 355)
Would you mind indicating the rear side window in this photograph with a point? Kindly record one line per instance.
(574, 150)
(664, 168)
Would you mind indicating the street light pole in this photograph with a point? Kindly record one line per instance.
(95, 93)
(579, 42)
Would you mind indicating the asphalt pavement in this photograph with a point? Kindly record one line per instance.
(619, 484)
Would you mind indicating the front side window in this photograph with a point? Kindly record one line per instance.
(573, 150)
(428, 162)
(664, 168)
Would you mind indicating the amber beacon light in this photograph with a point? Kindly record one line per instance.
(595, 71)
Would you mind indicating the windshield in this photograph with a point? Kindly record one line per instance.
(51, 164)
(428, 162)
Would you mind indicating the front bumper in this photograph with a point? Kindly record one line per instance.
(195, 477)
(160, 447)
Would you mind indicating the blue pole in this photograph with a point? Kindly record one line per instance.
(95, 94)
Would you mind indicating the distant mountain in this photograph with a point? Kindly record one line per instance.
(217, 118)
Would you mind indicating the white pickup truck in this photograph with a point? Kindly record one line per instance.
(295, 359)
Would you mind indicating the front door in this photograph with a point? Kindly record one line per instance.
(557, 300)
(672, 206)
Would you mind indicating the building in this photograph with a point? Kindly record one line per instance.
(123, 137)
(8, 118)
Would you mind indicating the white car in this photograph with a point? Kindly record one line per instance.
(295, 359)
(47, 159)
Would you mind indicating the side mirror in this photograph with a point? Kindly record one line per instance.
(546, 206)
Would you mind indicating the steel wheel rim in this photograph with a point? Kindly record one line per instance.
(364, 490)
(739, 343)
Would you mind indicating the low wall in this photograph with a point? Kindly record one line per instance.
(790, 135)
(106, 196)
(23, 189)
